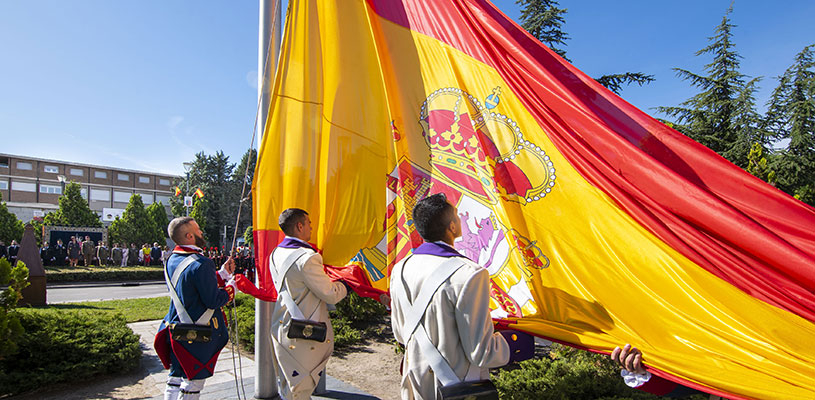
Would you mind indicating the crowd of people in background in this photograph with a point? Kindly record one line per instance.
(85, 252)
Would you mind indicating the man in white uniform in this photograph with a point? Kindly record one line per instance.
(300, 362)
(454, 314)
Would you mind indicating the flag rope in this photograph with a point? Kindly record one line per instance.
(237, 368)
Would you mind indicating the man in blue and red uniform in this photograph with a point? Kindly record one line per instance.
(202, 292)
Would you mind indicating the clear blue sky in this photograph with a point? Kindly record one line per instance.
(147, 84)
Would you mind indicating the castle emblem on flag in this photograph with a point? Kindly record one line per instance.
(482, 151)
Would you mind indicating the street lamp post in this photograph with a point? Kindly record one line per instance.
(187, 168)
(62, 179)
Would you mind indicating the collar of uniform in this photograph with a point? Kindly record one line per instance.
(186, 249)
(294, 243)
(440, 249)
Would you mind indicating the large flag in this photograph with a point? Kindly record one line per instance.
(599, 225)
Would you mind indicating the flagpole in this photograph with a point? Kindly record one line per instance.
(269, 38)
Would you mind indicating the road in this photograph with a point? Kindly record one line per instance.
(95, 291)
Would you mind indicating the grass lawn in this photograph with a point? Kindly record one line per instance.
(134, 310)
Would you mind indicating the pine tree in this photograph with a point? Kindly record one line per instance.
(73, 210)
(214, 176)
(544, 20)
(791, 116)
(11, 228)
(723, 116)
(135, 225)
(158, 214)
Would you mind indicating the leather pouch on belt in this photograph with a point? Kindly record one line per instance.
(307, 329)
(191, 332)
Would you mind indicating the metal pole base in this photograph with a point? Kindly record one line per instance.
(265, 376)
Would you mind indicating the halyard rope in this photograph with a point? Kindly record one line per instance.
(233, 313)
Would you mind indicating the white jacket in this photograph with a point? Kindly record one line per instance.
(300, 359)
(457, 321)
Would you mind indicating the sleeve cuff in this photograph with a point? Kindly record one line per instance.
(633, 379)
(521, 345)
(224, 274)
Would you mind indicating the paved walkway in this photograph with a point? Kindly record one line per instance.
(222, 384)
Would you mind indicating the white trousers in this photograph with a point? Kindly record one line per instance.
(183, 389)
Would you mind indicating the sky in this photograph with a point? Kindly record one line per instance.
(145, 85)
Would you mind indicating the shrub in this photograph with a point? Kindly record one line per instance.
(360, 309)
(344, 334)
(355, 319)
(10, 328)
(68, 346)
(246, 320)
(567, 373)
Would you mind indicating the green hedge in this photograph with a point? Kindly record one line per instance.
(93, 274)
(61, 346)
(567, 373)
(355, 319)
(246, 320)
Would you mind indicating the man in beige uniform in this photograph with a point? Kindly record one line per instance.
(440, 295)
(300, 362)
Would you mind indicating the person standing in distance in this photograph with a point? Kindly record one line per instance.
(201, 292)
(440, 310)
(300, 362)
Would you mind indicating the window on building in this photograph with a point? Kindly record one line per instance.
(83, 193)
(51, 169)
(100, 174)
(77, 171)
(164, 182)
(100, 195)
(164, 200)
(24, 165)
(144, 179)
(50, 189)
(24, 186)
(146, 198)
(3, 162)
(3, 185)
(121, 197)
(123, 177)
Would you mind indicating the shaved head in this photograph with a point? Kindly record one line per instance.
(178, 227)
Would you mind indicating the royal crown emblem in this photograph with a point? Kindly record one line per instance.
(482, 151)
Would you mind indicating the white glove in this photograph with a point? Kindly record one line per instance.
(633, 379)
(224, 274)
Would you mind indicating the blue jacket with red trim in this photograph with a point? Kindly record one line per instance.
(200, 288)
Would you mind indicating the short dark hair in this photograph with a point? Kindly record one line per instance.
(432, 215)
(289, 219)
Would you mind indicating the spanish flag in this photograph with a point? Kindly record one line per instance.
(177, 191)
(199, 193)
(598, 224)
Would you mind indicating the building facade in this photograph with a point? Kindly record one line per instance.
(31, 186)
